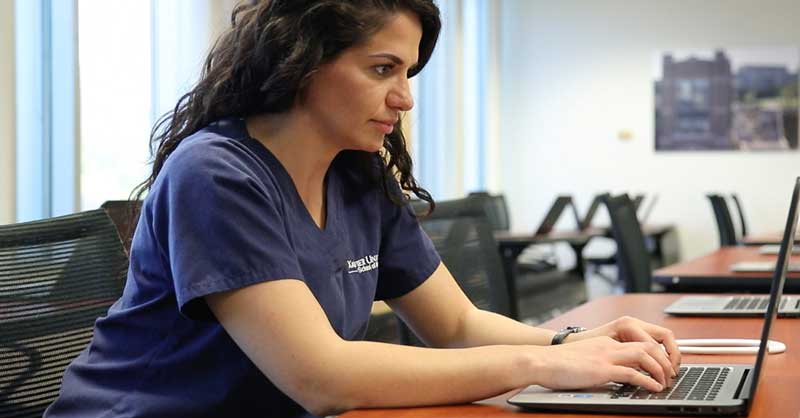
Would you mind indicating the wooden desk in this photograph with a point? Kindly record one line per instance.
(712, 273)
(774, 397)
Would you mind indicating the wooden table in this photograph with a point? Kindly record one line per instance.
(776, 397)
(511, 245)
(712, 273)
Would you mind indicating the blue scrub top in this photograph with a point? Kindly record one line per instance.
(224, 214)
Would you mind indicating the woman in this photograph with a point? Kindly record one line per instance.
(274, 219)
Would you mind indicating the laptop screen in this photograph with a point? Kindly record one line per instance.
(778, 280)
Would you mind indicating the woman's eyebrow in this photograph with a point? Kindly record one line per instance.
(394, 58)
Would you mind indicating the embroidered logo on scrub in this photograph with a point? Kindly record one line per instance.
(363, 264)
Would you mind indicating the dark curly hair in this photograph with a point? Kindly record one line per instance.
(264, 61)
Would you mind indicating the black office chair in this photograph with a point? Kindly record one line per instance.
(742, 223)
(125, 215)
(495, 208)
(56, 277)
(633, 257)
(594, 263)
(463, 237)
(727, 233)
(637, 201)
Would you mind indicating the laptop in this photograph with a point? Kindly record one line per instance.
(741, 305)
(586, 222)
(760, 267)
(699, 389)
(554, 213)
(772, 249)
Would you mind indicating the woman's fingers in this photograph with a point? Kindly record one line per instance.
(667, 338)
(642, 331)
(622, 374)
(655, 350)
(648, 357)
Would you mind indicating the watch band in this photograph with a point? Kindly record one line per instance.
(561, 334)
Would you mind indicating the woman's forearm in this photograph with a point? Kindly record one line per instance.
(368, 374)
(478, 328)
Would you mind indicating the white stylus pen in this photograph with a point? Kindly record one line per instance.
(727, 346)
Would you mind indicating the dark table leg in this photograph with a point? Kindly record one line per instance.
(580, 265)
(509, 254)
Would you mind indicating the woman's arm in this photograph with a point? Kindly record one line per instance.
(280, 326)
(284, 331)
(440, 314)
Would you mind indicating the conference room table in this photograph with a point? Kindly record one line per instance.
(511, 245)
(777, 392)
(712, 273)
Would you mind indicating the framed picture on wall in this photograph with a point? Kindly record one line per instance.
(727, 99)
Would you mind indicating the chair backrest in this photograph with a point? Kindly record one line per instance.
(57, 276)
(645, 215)
(632, 255)
(586, 222)
(742, 222)
(125, 215)
(464, 239)
(727, 233)
(554, 213)
(637, 201)
(496, 209)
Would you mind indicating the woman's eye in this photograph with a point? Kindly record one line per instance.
(382, 69)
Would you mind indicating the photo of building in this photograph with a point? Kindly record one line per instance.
(727, 100)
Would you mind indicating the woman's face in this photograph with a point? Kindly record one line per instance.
(356, 99)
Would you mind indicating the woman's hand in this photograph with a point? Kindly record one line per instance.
(627, 329)
(599, 360)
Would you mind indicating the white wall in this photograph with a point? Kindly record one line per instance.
(7, 114)
(575, 73)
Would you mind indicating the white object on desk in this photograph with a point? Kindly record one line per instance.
(727, 346)
(774, 249)
(760, 266)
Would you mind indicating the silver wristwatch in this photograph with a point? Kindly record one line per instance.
(562, 333)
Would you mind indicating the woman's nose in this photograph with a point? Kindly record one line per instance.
(400, 97)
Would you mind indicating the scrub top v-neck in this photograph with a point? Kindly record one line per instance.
(223, 214)
(328, 233)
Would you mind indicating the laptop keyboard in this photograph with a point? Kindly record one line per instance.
(750, 302)
(692, 383)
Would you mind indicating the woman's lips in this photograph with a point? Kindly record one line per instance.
(386, 127)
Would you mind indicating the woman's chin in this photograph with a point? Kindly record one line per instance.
(374, 146)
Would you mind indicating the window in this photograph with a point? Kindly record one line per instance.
(133, 70)
(75, 151)
(692, 94)
(116, 110)
(453, 132)
(45, 108)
